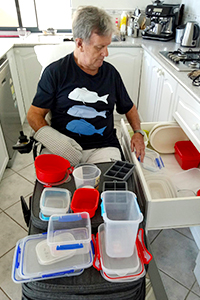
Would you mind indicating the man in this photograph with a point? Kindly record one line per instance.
(81, 91)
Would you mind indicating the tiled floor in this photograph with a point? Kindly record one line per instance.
(174, 250)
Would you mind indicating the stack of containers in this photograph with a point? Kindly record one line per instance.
(65, 250)
(117, 236)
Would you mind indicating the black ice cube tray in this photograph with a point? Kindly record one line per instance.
(115, 186)
(120, 170)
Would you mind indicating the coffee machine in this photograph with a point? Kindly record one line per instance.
(163, 19)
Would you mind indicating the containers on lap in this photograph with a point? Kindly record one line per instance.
(87, 175)
(122, 215)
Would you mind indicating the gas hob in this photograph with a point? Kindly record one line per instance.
(182, 61)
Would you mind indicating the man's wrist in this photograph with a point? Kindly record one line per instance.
(139, 131)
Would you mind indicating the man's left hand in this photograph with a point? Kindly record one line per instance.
(137, 144)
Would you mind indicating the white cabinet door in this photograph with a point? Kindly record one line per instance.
(4, 154)
(29, 70)
(157, 92)
(127, 60)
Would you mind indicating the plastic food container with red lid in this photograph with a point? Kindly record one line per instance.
(187, 155)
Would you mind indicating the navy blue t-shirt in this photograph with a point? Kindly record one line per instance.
(81, 104)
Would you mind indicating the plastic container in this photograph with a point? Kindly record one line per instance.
(54, 201)
(51, 168)
(115, 185)
(186, 155)
(121, 214)
(85, 199)
(68, 232)
(26, 266)
(152, 161)
(87, 175)
(120, 170)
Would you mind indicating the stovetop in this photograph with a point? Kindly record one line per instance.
(182, 61)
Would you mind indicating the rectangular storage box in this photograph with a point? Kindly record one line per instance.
(70, 231)
(120, 170)
(187, 155)
(54, 201)
(26, 266)
(122, 215)
(115, 185)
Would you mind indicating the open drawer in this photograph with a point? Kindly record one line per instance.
(165, 212)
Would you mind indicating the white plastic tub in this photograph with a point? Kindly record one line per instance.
(122, 215)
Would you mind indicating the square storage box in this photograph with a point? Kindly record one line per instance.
(122, 215)
(69, 232)
(85, 199)
(54, 201)
(120, 170)
(187, 155)
(115, 185)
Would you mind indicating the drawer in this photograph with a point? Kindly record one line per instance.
(166, 212)
(187, 114)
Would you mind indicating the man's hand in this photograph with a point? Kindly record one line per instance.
(137, 144)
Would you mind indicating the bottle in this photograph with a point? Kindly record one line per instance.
(123, 22)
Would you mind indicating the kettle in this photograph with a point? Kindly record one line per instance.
(190, 35)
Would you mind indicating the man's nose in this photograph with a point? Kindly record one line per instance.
(105, 52)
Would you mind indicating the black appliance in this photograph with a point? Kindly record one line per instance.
(182, 60)
(163, 21)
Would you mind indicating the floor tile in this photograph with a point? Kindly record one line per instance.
(186, 232)
(15, 212)
(3, 296)
(22, 160)
(28, 173)
(12, 289)
(174, 290)
(192, 296)
(11, 188)
(196, 289)
(8, 172)
(152, 234)
(10, 234)
(175, 255)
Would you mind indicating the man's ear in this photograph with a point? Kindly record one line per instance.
(79, 44)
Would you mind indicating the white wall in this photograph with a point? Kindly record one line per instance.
(121, 5)
(192, 10)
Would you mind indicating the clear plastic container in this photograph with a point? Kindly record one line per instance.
(122, 215)
(69, 232)
(54, 201)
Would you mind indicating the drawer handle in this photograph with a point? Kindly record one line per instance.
(195, 127)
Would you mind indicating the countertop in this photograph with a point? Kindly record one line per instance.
(151, 46)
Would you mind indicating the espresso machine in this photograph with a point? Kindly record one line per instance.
(163, 19)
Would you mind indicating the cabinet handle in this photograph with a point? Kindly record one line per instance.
(195, 127)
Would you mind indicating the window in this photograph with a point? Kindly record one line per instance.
(35, 15)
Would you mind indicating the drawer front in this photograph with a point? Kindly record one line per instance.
(166, 212)
(187, 114)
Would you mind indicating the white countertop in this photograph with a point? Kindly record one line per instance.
(153, 47)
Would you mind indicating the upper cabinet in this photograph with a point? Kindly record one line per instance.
(29, 70)
(157, 92)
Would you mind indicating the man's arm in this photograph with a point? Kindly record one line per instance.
(137, 141)
(36, 117)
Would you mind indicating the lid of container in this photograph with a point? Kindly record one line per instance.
(187, 183)
(26, 260)
(163, 138)
(117, 266)
(160, 187)
(152, 161)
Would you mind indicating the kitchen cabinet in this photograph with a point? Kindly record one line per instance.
(29, 70)
(4, 154)
(16, 83)
(157, 92)
(127, 60)
(160, 213)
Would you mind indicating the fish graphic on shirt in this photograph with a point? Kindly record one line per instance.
(82, 127)
(86, 112)
(86, 96)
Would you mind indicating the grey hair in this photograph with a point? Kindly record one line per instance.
(89, 19)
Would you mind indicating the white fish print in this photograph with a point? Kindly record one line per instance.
(86, 112)
(85, 96)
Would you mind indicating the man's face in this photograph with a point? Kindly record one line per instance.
(94, 51)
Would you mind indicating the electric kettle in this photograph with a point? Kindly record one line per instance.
(190, 35)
